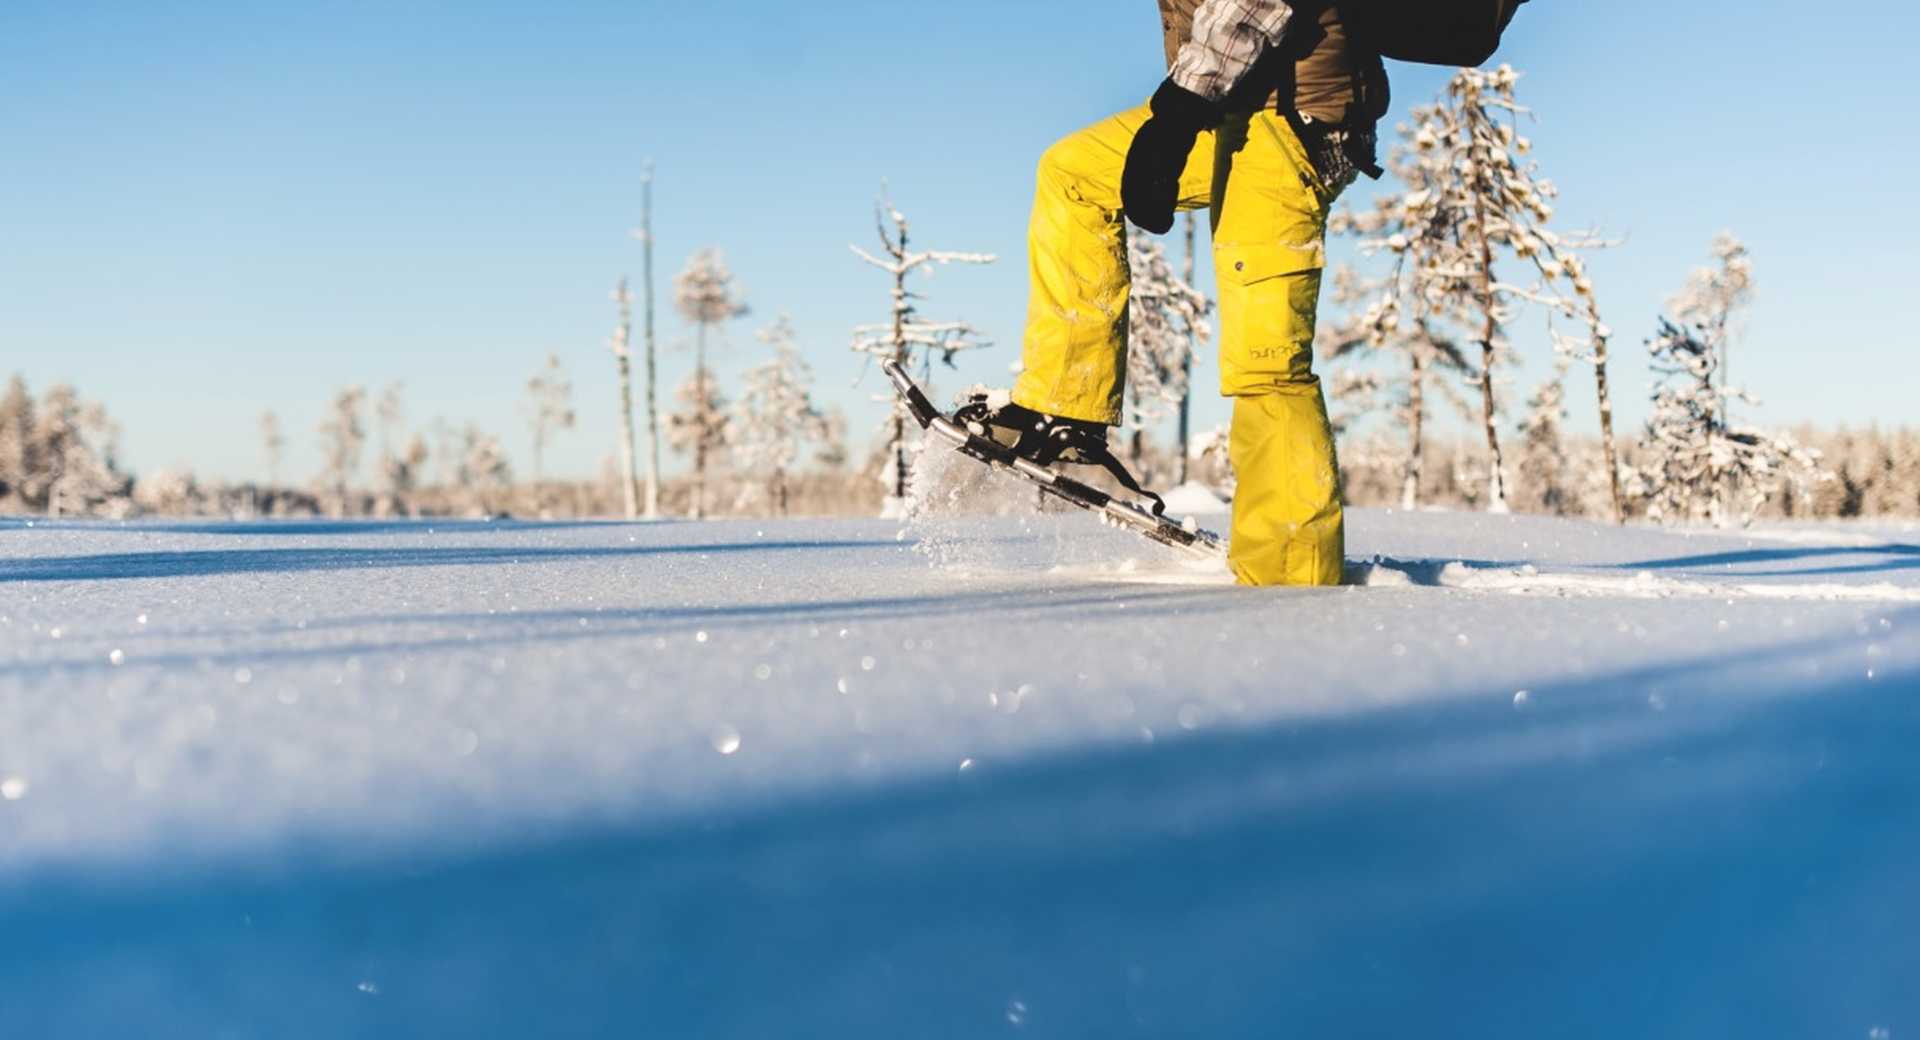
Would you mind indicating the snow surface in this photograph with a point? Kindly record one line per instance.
(961, 777)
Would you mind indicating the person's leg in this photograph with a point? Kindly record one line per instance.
(1075, 350)
(1269, 221)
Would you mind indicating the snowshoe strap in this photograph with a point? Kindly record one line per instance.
(1105, 458)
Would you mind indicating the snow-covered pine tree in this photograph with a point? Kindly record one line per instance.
(1471, 200)
(1375, 328)
(1166, 320)
(621, 344)
(907, 338)
(699, 427)
(1702, 465)
(776, 418)
(273, 445)
(705, 294)
(343, 438)
(549, 410)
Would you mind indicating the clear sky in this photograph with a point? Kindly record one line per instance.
(213, 208)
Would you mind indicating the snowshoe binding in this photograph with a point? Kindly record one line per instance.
(1031, 445)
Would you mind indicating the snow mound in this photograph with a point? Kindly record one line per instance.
(1528, 580)
(1195, 499)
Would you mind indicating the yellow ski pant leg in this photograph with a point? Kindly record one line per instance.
(1269, 229)
(1269, 248)
(1075, 349)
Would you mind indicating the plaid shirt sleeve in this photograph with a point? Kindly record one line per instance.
(1228, 36)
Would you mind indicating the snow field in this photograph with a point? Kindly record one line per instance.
(959, 776)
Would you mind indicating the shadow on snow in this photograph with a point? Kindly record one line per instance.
(1732, 865)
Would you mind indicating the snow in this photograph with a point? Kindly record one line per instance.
(1194, 499)
(963, 776)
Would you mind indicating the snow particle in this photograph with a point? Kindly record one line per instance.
(1522, 698)
(13, 788)
(243, 676)
(1017, 1013)
(465, 741)
(117, 658)
(1191, 716)
(1656, 702)
(841, 684)
(866, 664)
(763, 672)
(700, 636)
(726, 739)
(56, 633)
(141, 620)
(966, 764)
(1879, 1033)
(370, 988)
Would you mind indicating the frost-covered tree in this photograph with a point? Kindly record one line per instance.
(1377, 330)
(273, 445)
(705, 294)
(483, 475)
(75, 445)
(390, 413)
(343, 438)
(1713, 298)
(699, 427)
(1701, 466)
(1471, 202)
(907, 338)
(1166, 321)
(548, 409)
(401, 458)
(400, 473)
(1543, 462)
(620, 343)
(776, 418)
(19, 452)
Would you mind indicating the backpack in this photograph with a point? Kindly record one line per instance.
(1430, 32)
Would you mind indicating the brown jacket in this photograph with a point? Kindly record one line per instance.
(1326, 76)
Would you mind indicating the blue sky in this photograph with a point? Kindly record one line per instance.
(209, 209)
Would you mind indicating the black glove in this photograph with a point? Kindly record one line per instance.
(1150, 184)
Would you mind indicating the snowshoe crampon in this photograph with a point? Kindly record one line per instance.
(1137, 516)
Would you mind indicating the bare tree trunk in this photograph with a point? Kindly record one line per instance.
(901, 353)
(1417, 407)
(1608, 452)
(701, 391)
(1497, 474)
(1183, 435)
(1716, 509)
(629, 484)
(653, 392)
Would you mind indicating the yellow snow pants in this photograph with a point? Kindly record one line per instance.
(1268, 213)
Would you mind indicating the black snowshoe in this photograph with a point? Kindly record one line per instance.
(1031, 445)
